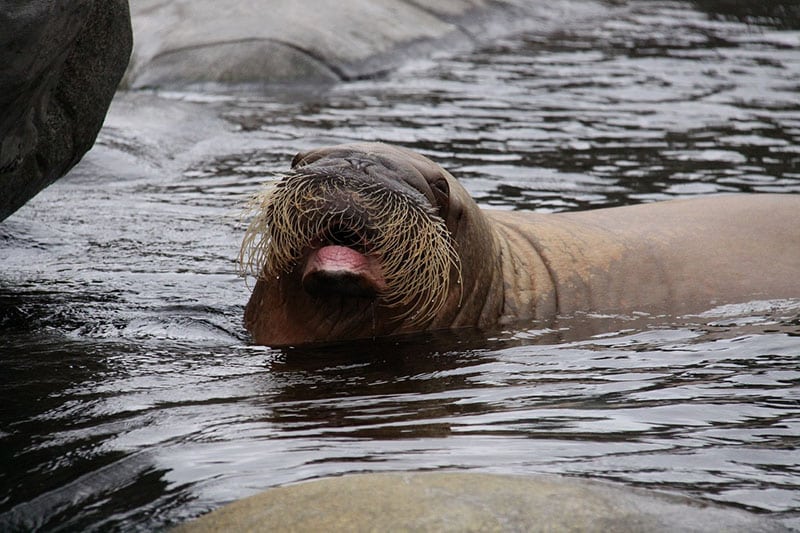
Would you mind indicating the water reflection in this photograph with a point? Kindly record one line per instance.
(783, 14)
(132, 400)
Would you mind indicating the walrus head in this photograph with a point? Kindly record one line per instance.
(355, 241)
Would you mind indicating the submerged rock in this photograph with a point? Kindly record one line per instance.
(471, 502)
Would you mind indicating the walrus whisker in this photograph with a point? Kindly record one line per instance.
(301, 208)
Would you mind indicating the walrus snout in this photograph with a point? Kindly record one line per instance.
(356, 230)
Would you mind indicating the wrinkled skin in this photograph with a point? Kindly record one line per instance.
(671, 257)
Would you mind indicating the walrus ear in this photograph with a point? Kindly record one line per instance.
(441, 191)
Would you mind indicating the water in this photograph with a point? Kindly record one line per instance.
(132, 399)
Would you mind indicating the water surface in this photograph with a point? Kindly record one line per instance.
(133, 400)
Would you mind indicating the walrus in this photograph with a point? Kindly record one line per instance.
(369, 239)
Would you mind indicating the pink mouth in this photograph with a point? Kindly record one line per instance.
(344, 271)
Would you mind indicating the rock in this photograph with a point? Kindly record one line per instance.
(471, 502)
(62, 61)
(200, 43)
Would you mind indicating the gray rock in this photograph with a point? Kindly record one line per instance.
(201, 43)
(61, 63)
(471, 502)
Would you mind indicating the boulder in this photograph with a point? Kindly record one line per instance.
(62, 61)
(471, 502)
(199, 44)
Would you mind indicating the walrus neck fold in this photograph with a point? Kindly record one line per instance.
(528, 282)
(479, 302)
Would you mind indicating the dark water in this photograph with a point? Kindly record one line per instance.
(132, 399)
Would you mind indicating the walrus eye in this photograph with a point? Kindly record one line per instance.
(302, 159)
(441, 191)
(298, 159)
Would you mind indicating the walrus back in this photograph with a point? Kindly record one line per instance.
(675, 256)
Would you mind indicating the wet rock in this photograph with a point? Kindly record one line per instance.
(471, 502)
(200, 43)
(61, 63)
